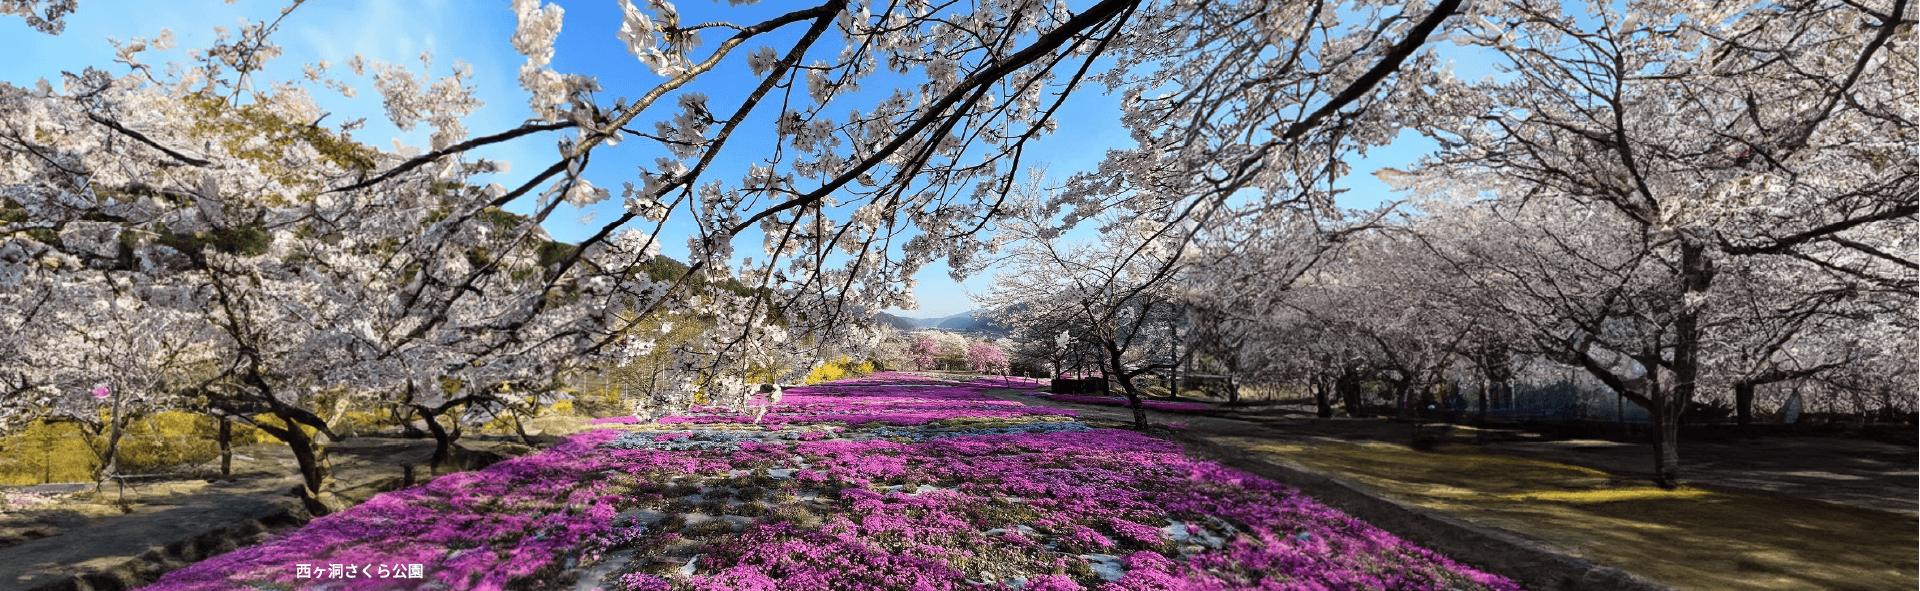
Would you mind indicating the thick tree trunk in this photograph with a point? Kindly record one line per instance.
(1126, 385)
(1322, 400)
(226, 446)
(406, 423)
(1696, 275)
(442, 441)
(111, 465)
(1233, 389)
(519, 428)
(1666, 439)
(1743, 403)
(1133, 401)
(1403, 398)
(1173, 384)
(1485, 385)
(1348, 385)
(316, 476)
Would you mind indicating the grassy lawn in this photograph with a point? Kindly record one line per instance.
(1690, 538)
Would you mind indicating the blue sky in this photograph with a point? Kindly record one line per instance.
(477, 33)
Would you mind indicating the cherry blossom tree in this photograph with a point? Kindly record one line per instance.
(892, 350)
(105, 362)
(1651, 123)
(1576, 285)
(925, 351)
(1776, 320)
(1247, 318)
(952, 349)
(926, 168)
(46, 16)
(986, 358)
(328, 264)
(985, 75)
(1040, 349)
(293, 288)
(1116, 292)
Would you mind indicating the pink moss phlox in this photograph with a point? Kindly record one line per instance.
(1148, 571)
(1138, 532)
(1054, 583)
(531, 517)
(784, 557)
(644, 582)
(1084, 537)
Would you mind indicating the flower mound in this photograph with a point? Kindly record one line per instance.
(980, 496)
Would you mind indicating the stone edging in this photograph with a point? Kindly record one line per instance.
(1531, 564)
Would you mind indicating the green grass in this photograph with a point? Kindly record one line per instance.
(1690, 538)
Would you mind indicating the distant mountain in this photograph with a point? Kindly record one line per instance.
(897, 322)
(968, 321)
(964, 322)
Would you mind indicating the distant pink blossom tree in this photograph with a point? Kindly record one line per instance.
(986, 358)
(924, 351)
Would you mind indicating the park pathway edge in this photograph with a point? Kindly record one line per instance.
(1533, 565)
(244, 518)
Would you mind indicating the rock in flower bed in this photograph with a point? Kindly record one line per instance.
(965, 497)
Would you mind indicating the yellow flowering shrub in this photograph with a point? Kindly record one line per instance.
(839, 369)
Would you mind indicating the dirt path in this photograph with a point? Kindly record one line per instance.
(1783, 513)
(112, 540)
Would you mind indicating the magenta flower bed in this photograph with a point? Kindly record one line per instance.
(1150, 404)
(1055, 509)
